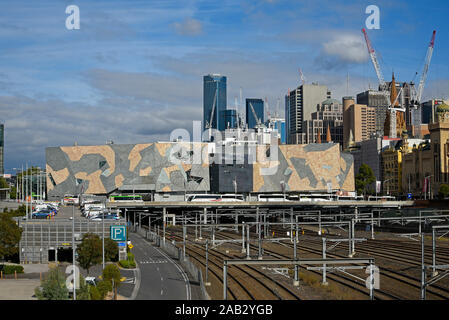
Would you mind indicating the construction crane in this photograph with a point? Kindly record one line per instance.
(383, 87)
(372, 54)
(416, 101)
(258, 122)
(301, 76)
(211, 119)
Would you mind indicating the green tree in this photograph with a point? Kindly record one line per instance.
(110, 250)
(89, 251)
(111, 274)
(101, 290)
(53, 287)
(83, 293)
(13, 193)
(364, 178)
(10, 234)
(3, 183)
(443, 192)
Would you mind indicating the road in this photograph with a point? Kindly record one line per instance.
(160, 277)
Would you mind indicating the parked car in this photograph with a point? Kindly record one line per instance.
(41, 214)
(91, 280)
(105, 216)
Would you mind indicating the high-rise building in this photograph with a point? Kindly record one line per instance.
(326, 124)
(287, 116)
(302, 102)
(359, 122)
(278, 125)
(214, 90)
(2, 145)
(377, 99)
(258, 106)
(230, 118)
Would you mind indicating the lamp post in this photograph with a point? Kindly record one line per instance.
(430, 185)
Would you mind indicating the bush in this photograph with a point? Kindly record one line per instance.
(127, 264)
(95, 293)
(9, 269)
(130, 256)
(53, 287)
(101, 290)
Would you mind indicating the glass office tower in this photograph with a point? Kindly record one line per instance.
(214, 88)
(258, 106)
(230, 118)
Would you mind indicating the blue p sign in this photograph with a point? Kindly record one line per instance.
(118, 233)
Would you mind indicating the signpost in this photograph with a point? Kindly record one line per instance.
(118, 233)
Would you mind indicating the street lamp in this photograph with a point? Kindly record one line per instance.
(430, 184)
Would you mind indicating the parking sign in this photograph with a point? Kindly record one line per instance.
(118, 233)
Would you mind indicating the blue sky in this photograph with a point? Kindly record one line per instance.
(133, 72)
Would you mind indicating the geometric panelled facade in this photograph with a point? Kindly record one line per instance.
(168, 167)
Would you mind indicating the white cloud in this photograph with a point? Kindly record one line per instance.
(189, 27)
(347, 47)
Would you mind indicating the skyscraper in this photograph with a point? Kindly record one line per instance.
(258, 106)
(214, 89)
(302, 102)
(230, 118)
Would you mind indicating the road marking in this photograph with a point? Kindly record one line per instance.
(183, 274)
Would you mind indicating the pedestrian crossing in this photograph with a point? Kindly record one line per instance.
(152, 261)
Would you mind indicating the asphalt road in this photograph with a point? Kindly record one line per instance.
(160, 277)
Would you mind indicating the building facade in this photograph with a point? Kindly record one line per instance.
(302, 102)
(327, 117)
(258, 106)
(230, 118)
(426, 167)
(214, 101)
(359, 122)
(378, 100)
(167, 170)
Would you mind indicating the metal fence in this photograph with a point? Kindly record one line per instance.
(174, 252)
(40, 237)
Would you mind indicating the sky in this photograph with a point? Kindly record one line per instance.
(133, 71)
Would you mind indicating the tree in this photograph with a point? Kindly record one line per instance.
(443, 192)
(101, 290)
(53, 287)
(13, 193)
(110, 250)
(111, 273)
(364, 178)
(83, 292)
(3, 183)
(90, 251)
(10, 234)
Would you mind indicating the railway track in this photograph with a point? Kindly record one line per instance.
(340, 279)
(436, 290)
(251, 276)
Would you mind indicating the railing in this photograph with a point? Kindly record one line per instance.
(174, 252)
